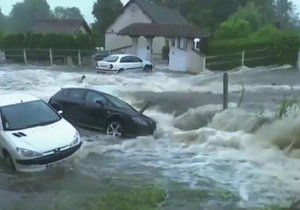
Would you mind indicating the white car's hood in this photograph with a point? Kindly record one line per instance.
(44, 138)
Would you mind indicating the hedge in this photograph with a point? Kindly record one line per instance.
(40, 41)
(281, 46)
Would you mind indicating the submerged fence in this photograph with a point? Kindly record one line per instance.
(245, 58)
(48, 56)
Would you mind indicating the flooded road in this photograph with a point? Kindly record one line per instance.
(203, 158)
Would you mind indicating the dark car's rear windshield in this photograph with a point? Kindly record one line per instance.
(111, 58)
(27, 115)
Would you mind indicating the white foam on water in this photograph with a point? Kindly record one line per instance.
(262, 166)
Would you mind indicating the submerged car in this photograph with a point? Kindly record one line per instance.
(33, 136)
(97, 110)
(118, 63)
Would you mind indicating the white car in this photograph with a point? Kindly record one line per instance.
(123, 62)
(33, 136)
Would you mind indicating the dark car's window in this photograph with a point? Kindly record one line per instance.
(93, 97)
(136, 59)
(111, 59)
(119, 103)
(63, 93)
(126, 59)
(77, 94)
(27, 115)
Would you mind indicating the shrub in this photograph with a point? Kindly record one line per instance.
(286, 47)
(235, 28)
(286, 108)
(40, 41)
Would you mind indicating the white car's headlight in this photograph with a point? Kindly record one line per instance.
(138, 120)
(28, 153)
(76, 140)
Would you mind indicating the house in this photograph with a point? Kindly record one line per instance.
(183, 56)
(58, 26)
(140, 11)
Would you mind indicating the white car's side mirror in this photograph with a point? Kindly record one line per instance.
(60, 112)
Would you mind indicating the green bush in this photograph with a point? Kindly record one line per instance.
(40, 41)
(285, 108)
(235, 28)
(286, 47)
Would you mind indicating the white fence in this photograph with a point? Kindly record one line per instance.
(243, 58)
(47, 56)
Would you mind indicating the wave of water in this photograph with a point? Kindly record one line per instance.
(248, 153)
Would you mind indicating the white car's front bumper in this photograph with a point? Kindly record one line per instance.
(45, 162)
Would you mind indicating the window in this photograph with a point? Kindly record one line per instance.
(182, 44)
(93, 97)
(77, 94)
(27, 115)
(126, 59)
(135, 59)
(119, 103)
(173, 42)
(111, 59)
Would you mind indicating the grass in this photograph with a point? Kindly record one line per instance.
(144, 198)
(285, 108)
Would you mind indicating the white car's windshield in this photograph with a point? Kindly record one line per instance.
(27, 115)
(111, 58)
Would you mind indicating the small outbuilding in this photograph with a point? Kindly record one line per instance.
(183, 56)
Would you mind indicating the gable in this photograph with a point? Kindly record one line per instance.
(132, 13)
(160, 14)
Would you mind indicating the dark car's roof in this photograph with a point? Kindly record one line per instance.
(88, 89)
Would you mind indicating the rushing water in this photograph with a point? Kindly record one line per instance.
(204, 158)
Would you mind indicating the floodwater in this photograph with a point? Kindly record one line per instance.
(204, 158)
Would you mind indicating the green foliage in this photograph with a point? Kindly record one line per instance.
(145, 198)
(285, 107)
(236, 28)
(105, 12)
(24, 14)
(39, 41)
(250, 13)
(67, 13)
(286, 47)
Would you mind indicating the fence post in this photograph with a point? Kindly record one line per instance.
(2, 56)
(225, 91)
(79, 58)
(204, 63)
(298, 60)
(243, 57)
(51, 56)
(25, 56)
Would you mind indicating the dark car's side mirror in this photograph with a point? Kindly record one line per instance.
(100, 103)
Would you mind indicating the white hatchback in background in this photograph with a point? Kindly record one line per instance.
(33, 136)
(118, 63)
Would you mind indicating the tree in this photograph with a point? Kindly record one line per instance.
(237, 28)
(25, 13)
(105, 12)
(251, 13)
(67, 13)
(283, 10)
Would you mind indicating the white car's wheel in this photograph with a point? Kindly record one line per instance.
(114, 129)
(8, 162)
(120, 71)
(148, 68)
